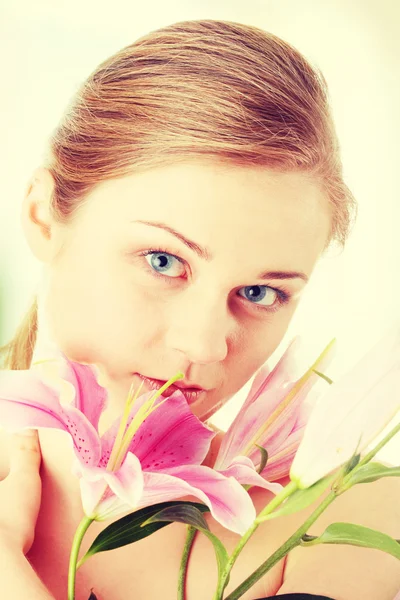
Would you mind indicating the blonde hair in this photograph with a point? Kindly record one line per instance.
(206, 89)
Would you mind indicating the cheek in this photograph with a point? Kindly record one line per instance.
(252, 349)
(261, 339)
(247, 353)
(76, 314)
(95, 311)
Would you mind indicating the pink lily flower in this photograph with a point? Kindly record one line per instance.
(150, 455)
(273, 416)
(352, 413)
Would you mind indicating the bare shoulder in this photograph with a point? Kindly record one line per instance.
(343, 571)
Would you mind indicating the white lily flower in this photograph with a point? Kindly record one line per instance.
(352, 413)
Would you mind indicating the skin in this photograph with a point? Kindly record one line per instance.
(103, 305)
(107, 305)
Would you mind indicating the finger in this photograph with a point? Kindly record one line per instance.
(25, 454)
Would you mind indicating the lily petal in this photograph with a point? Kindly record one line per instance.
(285, 371)
(77, 384)
(352, 413)
(270, 414)
(56, 392)
(27, 402)
(282, 449)
(98, 500)
(91, 398)
(178, 438)
(248, 419)
(243, 470)
(279, 464)
(108, 493)
(127, 483)
(229, 503)
(94, 491)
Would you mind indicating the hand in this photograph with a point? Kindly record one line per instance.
(21, 491)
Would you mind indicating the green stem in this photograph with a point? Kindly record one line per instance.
(295, 539)
(291, 543)
(76, 544)
(374, 451)
(191, 534)
(275, 502)
(288, 490)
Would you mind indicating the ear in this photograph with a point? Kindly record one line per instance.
(36, 219)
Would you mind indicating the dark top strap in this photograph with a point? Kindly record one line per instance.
(298, 596)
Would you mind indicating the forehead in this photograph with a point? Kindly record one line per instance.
(228, 209)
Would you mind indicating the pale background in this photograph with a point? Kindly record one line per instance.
(48, 48)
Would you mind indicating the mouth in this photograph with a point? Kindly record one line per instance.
(192, 394)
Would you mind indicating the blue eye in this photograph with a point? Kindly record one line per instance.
(161, 263)
(258, 293)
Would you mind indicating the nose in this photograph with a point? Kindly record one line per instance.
(199, 328)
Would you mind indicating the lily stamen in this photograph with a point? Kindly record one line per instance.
(290, 396)
(122, 442)
(120, 435)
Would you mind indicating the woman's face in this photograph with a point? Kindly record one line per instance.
(128, 294)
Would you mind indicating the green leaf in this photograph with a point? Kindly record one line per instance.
(219, 549)
(128, 529)
(308, 538)
(356, 535)
(188, 515)
(371, 472)
(352, 463)
(184, 513)
(301, 498)
(338, 485)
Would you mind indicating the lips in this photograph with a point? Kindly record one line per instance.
(190, 393)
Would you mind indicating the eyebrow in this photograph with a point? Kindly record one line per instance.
(206, 254)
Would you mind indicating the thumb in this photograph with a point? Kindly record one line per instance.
(25, 454)
(22, 489)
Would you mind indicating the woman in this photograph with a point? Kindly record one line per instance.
(187, 195)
